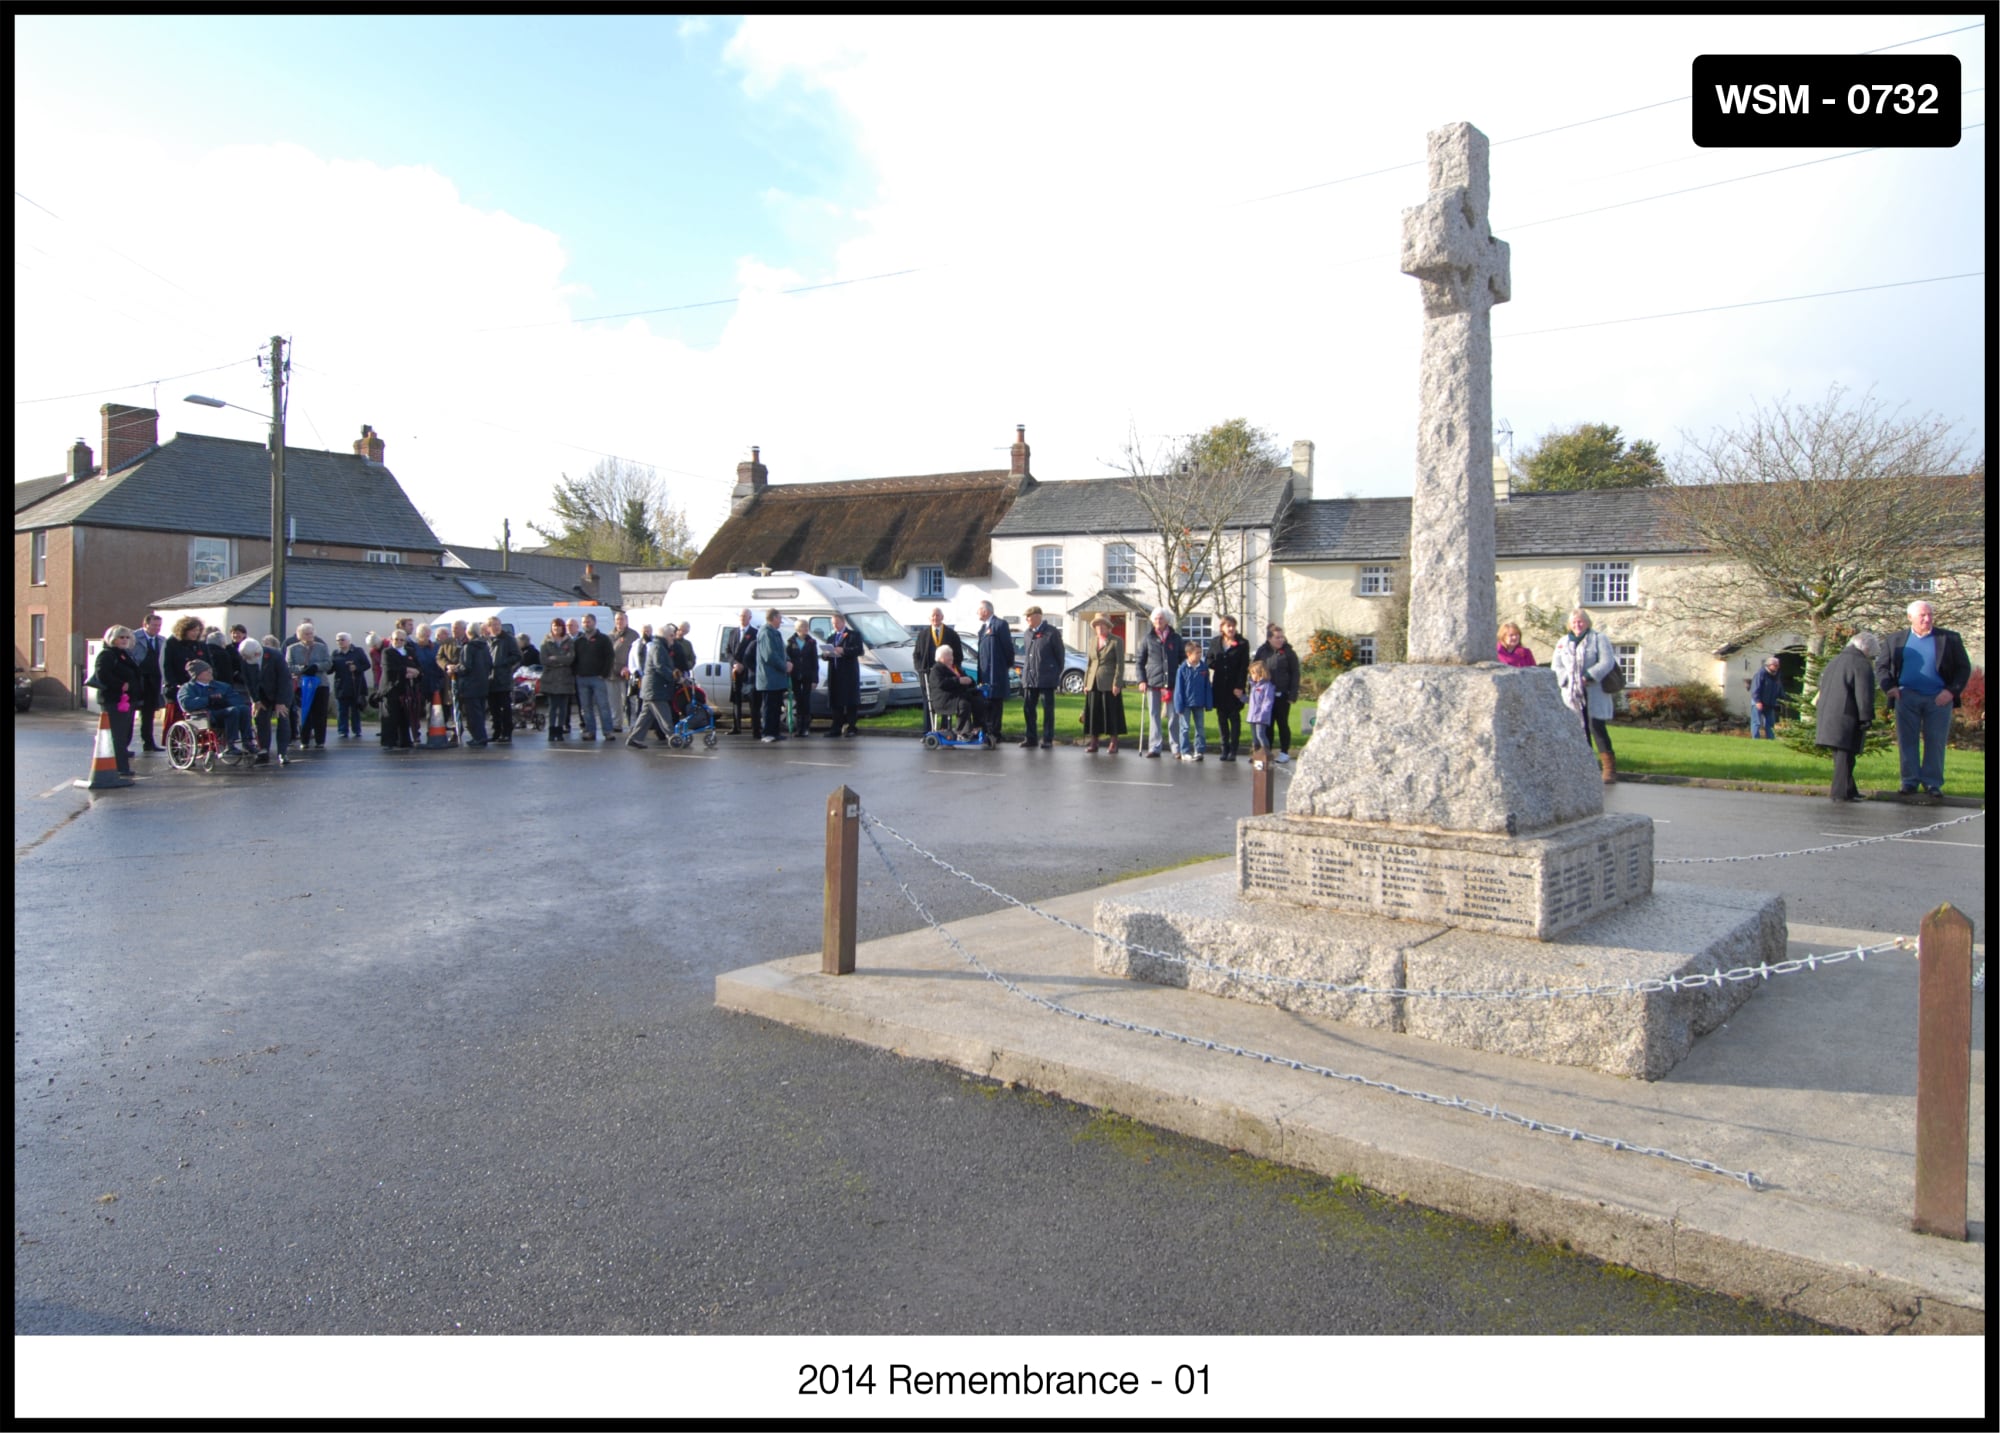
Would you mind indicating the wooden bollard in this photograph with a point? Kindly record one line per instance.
(1263, 777)
(843, 855)
(1944, 1070)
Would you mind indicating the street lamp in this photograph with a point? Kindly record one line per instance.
(277, 478)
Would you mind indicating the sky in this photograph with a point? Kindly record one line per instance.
(515, 246)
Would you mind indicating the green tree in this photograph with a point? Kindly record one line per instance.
(1590, 455)
(1232, 446)
(619, 511)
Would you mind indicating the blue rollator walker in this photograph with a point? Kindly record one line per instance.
(695, 718)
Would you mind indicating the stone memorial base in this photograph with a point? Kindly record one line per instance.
(1675, 930)
(1538, 885)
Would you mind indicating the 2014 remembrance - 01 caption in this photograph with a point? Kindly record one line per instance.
(817, 1379)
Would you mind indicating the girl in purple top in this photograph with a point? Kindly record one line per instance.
(1263, 697)
(1509, 648)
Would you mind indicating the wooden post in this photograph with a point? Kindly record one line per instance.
(1944, 1070)
(843, 855)
(1263, 774)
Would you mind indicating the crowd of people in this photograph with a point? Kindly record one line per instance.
(264, 697)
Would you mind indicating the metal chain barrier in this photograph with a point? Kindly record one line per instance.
(1651, 985)
(1493, 1112)
(1816, 850)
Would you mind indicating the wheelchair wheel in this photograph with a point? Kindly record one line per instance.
(708, 738)
(931, 741)
(181, 743)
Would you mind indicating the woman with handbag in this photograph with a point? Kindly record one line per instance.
(1583, 663)
(119, 684)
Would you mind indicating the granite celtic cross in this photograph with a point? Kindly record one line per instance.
(1449, 247)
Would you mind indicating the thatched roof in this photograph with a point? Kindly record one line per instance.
(881, 525)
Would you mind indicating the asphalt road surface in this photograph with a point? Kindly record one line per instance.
(426, 1044)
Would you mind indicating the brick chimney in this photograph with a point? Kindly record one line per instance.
(128, 433)
(751, 480)
(368, 447)
(1019, 452)
(81, 463)
(1302, 471)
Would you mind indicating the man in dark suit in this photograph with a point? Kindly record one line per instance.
(146, 648)
(1846, 705)
(996, 666)
(739, 649)
(1923, 670)
(842, 650)
(923, 654)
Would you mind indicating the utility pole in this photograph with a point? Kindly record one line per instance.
(278, 487)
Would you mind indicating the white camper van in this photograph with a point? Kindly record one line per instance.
(524, 621)
(713, 605)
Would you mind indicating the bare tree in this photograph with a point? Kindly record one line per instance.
(1823, 518)
(1193, 494)
(619, 511)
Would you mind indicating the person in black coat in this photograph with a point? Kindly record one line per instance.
(924, 650)
(507, 654)
(1042, 662)
(954, 694)
(184, 645)
(271, 700)
(996, 666)
(119, 683)
(739, 649)
(1229, 676)
(402, 694)
(351, 673)
(842, 650)
(1846, 706)
(1281, 665)
(802, 651)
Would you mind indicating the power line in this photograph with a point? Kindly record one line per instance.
(142, 383)
(1749, 303)
(704, 303)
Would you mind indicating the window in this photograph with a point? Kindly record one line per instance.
(850, 575)
(1903, 585)
(376, 554)
(1628, 663)
(1121, 567)
(930, 582)
(39, 545)
(1048, 568)
(1198, 628)
(1364, 651)
(38, 642)
(208, 560)
(1607, 584)
(1377, 581)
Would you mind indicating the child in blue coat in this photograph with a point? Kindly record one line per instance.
(1193, 696)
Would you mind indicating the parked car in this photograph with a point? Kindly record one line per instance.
(24, 690)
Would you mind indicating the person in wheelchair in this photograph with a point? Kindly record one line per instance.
(955, 695)
(227, 711)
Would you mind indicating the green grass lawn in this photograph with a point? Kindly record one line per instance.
(1641, 750)
(1734, 758)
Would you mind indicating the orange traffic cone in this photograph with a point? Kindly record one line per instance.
(439, 732)
(104, 765)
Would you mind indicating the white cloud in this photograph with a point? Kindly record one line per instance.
(1070, 190)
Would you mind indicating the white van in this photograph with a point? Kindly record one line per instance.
(523, 621)
(713, 605)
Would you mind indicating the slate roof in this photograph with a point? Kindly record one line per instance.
(33, 490)
(880, 525)
(370, 587)
(563, 572)
(1108, 505)
(1625, 520)
(195, 483)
